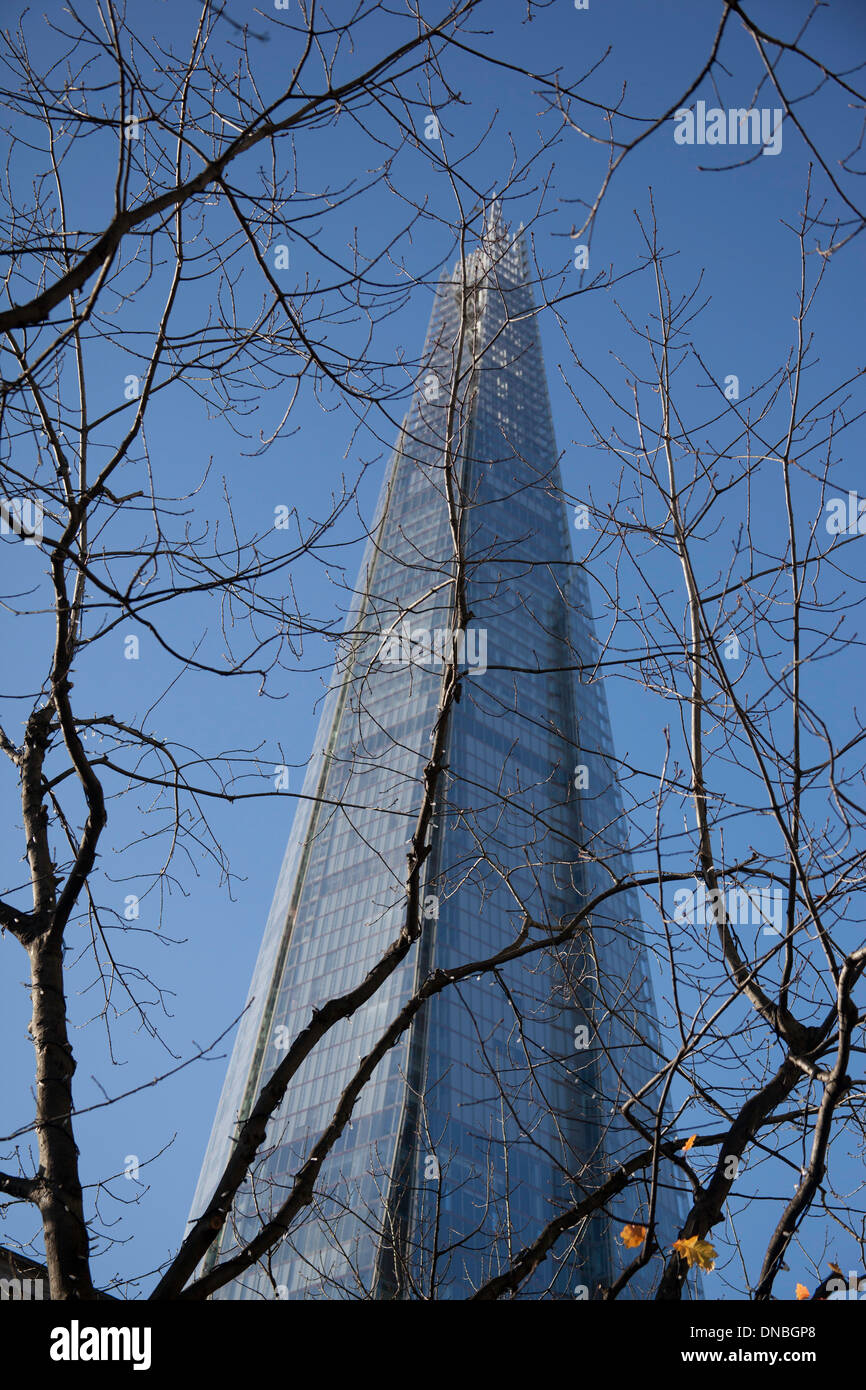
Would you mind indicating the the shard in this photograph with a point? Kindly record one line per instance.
(499, 1107)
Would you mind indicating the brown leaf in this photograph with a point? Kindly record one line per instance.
(696, 1251)
(633, 1234)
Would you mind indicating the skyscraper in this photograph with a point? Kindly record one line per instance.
(498, 1106)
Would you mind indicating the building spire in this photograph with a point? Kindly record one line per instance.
(495, 230)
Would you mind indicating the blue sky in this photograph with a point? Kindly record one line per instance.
(199, 942)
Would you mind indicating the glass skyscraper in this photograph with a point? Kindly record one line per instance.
(499, 1106)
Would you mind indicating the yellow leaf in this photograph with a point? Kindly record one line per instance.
(633, 1234)
(836, 1269)
(696, 1252)
(688, 1144)
(802, 1292)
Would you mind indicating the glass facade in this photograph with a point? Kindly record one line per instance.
(498, 1107)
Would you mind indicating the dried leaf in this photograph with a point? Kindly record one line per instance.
(802, 1292)
(688, 1144)
(696, 1251)
(633, 1234)
(835, 1268)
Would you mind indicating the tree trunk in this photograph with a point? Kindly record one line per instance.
(60, 1201)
